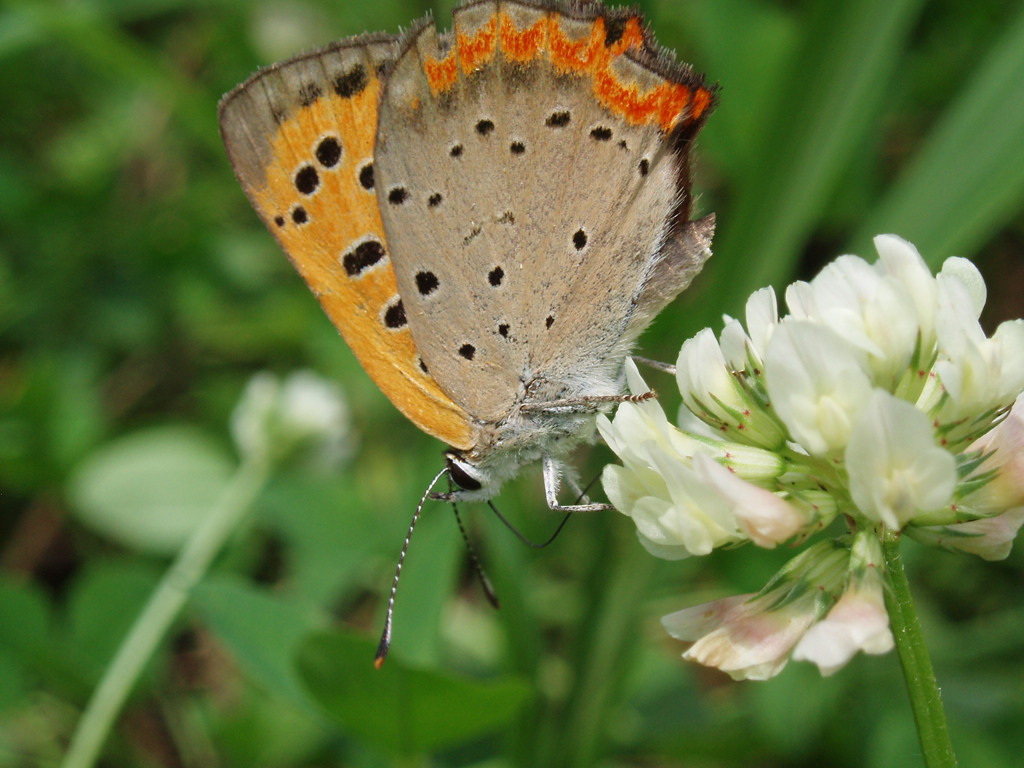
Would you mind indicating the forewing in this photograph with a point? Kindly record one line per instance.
(300, 136)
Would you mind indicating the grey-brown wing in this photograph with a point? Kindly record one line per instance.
(532, 168)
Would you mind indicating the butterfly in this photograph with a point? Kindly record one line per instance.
(490, 216)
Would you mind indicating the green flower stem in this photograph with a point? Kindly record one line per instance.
(925, 700)
(164, 605)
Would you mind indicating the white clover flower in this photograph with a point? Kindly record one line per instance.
(736, 345)
(901, 261)
(677, 511)
(251, 419)
(980, 375)
(686, 518)
(878, 399)
(870, 310)
(750, 637)
(858, 621)
(637, 423)
(743, 347)
(305, 412)
(762, 315)
(817, 384)
(712, 391)
(968, 275)
(895, 467)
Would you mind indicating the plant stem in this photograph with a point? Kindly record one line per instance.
(156, 617)
(922, 688)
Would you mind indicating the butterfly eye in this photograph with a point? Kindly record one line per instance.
(459, 471)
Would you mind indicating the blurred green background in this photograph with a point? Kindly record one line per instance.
(138, 294)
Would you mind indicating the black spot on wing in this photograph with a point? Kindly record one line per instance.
(362, 257)
(394, 315)
(307, 180)
(426, 283)
(614, 29)
(366, 176)
(558, 119)
(352, 82)
(309, 93)
(328, 152)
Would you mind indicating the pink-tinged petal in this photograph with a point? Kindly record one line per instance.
(763, 516)
(1005, 446)
(858, 622)
(990, 538)
(743, 637)
(690, 624)
(752, 647)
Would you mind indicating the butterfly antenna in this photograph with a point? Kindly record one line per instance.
(485, 582)
(521, 536)
(385, 638)
(540, 544)
(587, 487)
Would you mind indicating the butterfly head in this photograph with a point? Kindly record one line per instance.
(479, 476)
(473, 482)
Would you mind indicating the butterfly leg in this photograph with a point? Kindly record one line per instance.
(553, 474)
(584, 404)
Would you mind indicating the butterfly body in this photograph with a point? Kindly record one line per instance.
(490, 217)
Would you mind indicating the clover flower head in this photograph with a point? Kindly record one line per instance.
(878, 398)
(304, 413)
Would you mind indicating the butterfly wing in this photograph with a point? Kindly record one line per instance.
(533, 168)
(300, 136)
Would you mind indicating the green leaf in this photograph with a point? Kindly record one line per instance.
(401, 709)
(26, 635)
(834, 91)
(261, 733)
(333, 534)
(746, 48)
(14, 686)
(262, 631)
(103, 603)
(150, 489)
(968, 178)
(26, 617)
